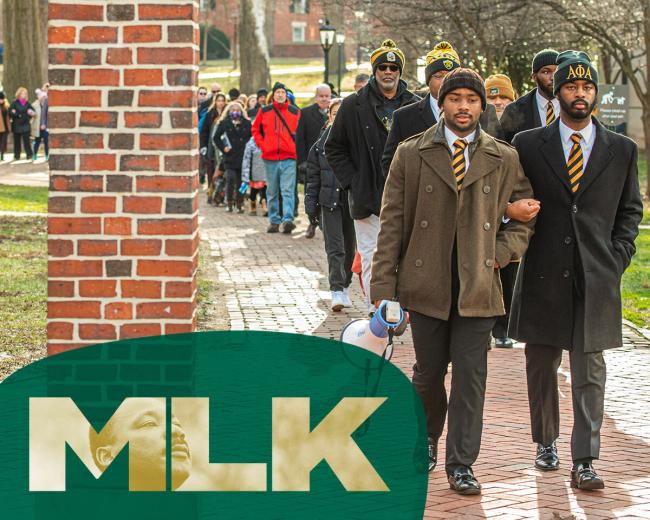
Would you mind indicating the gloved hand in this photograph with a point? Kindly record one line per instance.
(243, 188)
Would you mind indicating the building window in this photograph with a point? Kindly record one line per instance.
(299, 6)
(298, 31)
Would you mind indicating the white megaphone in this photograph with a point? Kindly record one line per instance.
(374, 334)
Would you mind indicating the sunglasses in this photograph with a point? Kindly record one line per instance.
(385, 66)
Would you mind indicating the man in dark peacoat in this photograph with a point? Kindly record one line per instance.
(312, 121)
(356, 143)
(567, 294)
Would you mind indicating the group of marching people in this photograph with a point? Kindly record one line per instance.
(27, 122)
(483, 214)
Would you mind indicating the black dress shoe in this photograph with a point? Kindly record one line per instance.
(584, 476)
(547, 459)
(503, 343)
(463, 481)
(433, 454)
(311, 231)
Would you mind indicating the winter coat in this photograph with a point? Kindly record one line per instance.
(253, 168)
(583, 242)
(355, 146)
(210, 118)
(238, 135)
(274, 139)
(418, 117)
(423, 214)
(310, 127)
(4, 117)
(520, 115)
(321, 187)
(35, 123)
(20, 119)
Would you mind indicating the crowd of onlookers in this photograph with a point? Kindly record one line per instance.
(26, 122)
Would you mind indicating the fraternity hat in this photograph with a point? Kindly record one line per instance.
(499, 85)
(572, 66)
(462, 78)
(387, 53)
(442, 57)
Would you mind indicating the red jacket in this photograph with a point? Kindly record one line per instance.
(271, 135)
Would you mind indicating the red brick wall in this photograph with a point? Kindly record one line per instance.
(123, 223)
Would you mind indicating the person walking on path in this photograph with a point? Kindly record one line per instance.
(439, 250)
(312, 120)
(20, 113)
(420, 116)
(500, 92)
(274, 131)
(39, 124)
(568, 289)
(539, 107)
(253, 174)
(356, 143)
(327, 202)
(232, 133)
(5, 126)
(209, 154)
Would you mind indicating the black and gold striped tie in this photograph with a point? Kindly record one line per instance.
(550, 115)
(458, 161)
(575, 163)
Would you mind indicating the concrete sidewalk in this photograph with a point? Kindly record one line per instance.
(24, 172)
(278, 282)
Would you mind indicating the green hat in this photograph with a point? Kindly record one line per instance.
(572, 66)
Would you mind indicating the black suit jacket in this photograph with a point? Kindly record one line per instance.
(309, 129)
(417, 118)
(520, 115)
(582, 243)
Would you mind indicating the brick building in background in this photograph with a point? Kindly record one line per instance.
(291, 26)
(123, 207)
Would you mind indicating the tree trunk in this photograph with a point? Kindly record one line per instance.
(24, 56)
(253, 50)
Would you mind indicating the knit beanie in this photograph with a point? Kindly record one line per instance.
(571, 66)
(543, 58)
(387, 53)
(278, 86)
(442, 57)
(500, 85)
(462, 78)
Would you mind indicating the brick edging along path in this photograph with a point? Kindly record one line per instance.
(278, 282)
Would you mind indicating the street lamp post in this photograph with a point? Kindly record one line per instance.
(327, 33)
(340, 40)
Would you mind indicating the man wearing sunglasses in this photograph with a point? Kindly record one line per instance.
(356, 143)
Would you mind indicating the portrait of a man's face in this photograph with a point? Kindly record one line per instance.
(141, 423)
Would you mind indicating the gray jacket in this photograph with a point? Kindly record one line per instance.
(253, 168)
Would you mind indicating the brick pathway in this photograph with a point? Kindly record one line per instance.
(277, 282)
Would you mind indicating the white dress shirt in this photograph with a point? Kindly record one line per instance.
(588, 134)
(541, 107)
(452, 137)
(435, 108)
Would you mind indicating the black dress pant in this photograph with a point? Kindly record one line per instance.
(463, 342)
(340, 244)
(508, 276)
(588, 375)
(24, 140)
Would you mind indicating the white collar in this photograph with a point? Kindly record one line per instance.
(452, 137)
(542, 101)
(566, 132)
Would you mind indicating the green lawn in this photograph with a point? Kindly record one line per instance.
(23, 290)
(23, 198)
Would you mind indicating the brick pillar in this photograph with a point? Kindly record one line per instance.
(123, 223)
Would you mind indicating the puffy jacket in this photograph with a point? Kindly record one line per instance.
(271, 135)
(252, 166)
(321, 187)
(238, 136)
(20, 119)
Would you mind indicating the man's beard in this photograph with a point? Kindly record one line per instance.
(383, 85)
(547, 91)
(574, 113)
